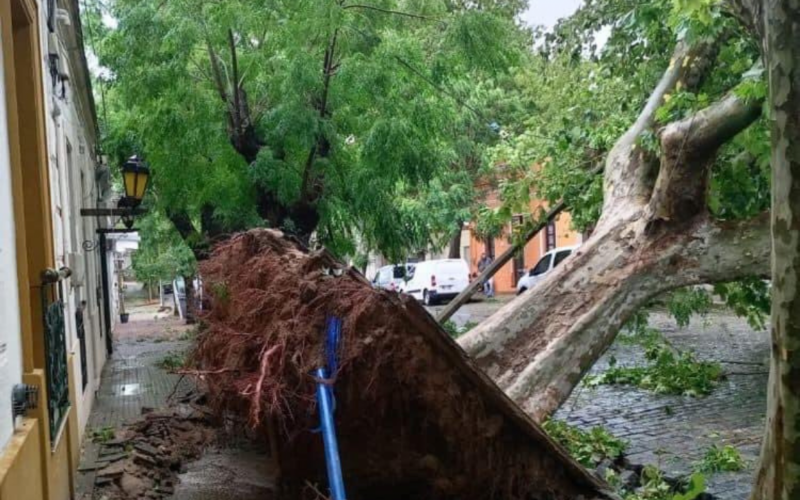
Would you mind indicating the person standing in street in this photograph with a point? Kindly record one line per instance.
(488, 285)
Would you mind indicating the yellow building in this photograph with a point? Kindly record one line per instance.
(40, 446)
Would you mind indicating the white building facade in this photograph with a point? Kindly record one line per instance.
(78, 179)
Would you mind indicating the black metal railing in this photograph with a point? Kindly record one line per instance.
(80, 326)
(55, 348)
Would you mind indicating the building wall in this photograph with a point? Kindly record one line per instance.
(10, 333)
(505, 280)
(71, 143)
(29, 462)
(50, 142)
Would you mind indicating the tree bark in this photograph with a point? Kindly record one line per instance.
(654, 235)
(454, 250)
(191, 313)
(539, 346)
(779, 472)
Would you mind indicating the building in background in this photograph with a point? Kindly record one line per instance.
(53, 343)
(558, 233)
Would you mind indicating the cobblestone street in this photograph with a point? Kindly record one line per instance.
(674, 432)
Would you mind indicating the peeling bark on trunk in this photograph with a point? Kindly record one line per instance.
(654, 235)
(539, 346)
(779, 473)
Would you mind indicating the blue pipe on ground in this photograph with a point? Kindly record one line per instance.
(325, 402)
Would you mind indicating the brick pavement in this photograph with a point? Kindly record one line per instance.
(132, 380)
(674, 432)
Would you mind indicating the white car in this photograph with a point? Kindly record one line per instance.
(547, 263)
(390, 277)
(431, 281)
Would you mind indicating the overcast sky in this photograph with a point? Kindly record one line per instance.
(547, 12)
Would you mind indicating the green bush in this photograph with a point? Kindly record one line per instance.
(456, 331)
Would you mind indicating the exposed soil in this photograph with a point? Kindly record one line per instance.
(415, 419)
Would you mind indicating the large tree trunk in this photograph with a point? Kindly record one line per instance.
(454, 250)
(654, 235)
(778, 24)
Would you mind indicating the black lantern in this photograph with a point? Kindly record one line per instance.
(135, 175)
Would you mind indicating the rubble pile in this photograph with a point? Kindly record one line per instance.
(415, 419)
(144, 459)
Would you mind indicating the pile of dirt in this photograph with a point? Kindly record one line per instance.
(415, 419)
(145, 458)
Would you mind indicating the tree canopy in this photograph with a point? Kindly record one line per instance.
(355, 122)
(585, 95)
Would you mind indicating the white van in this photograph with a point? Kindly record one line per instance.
(390, 277)
(547, 263)
(433, 280)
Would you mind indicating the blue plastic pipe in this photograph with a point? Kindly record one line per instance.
(325, 402)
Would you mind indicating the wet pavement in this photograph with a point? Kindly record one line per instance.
(229, 474)
(133, 382)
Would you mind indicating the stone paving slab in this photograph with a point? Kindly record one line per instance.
(132, 382)
(674, 432)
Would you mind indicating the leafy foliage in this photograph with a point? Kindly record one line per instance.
(686, 302)
(172, 361)
(587, 447)
(586, 94)
(103, 435)
(669, 372)
(749, 299)
(162, 253)
(456, 331)
(721, 459)
(655, 487)
(382, 146)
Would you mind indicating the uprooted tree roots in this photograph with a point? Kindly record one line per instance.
(414, 418)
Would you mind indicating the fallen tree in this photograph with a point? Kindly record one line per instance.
(655, 234)
(415, 418)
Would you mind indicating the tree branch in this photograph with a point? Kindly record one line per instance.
(749, 13)
(734, 250)
(321, 144)
(630, 171)
(575, 314)
(689, 147)
(219, 82)
(235, 80)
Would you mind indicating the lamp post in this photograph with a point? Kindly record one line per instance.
(135, 177)
(135, 180)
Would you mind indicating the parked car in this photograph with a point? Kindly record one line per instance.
(390, 277)
(431, 281)
(546, 264)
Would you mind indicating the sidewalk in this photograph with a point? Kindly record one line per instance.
(132, 381)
